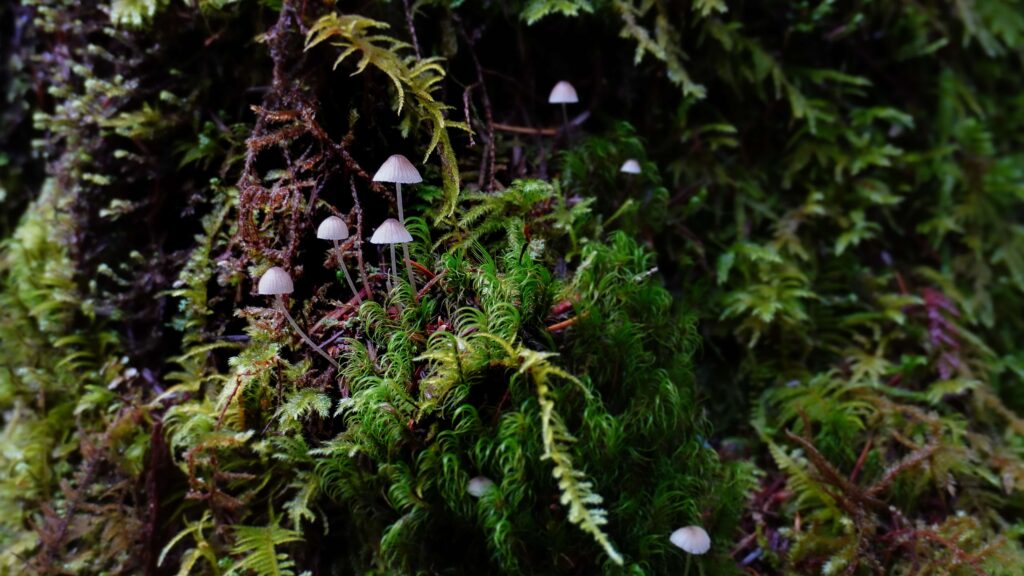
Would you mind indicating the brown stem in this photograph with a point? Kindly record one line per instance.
(412, 29)
(423, 269)
(490, 153)
(430, 284)
(861, 459)
(563, 324)
(359, 234)
(525, 130)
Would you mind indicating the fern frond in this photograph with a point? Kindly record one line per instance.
(258, 546)
(416, 77)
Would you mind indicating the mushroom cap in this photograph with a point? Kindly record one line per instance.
(399, 170)
(479, 486)
(630, 166)
(563, 93)
(275, 281)
(391, 231)
(692, 539)
(332, 228)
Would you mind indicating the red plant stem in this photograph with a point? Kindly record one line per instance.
(231, 397)
(430, 283)
(860, 460)
(420, 267)
(563, 324)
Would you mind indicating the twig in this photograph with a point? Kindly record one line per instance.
(526, 130)
(430, 283)
(860, 460)
(337, 314)
(421, 268)
(490, 153)
(220, 417)
(412, 29)
(910, 536)
(465, 109)
(563, 324)
(911, 460)
(847, 492)
(359, 234)
(53, 547)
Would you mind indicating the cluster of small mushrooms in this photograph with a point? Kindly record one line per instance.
(277, 282)
(398, 170)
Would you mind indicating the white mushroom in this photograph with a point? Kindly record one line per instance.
(630, 166)
(276, 282)
(563, 93)
(479, 486)
(332, 228)
(691, 539)
(391, 232)
(335, 229)
(398, 170)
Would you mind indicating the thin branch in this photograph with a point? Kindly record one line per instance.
(526, 130)
(563, 324)
(412, 29)
(357, 208)
(430, 284)
(490, 152)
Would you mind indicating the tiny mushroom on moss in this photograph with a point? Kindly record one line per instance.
(631, 166)
(563, 93)
(335, 230)
(691, 539)
(277, 282)
(398, 170)
(479, 486)
(391, 232)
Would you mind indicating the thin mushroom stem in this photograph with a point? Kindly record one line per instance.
(405, 247)
(344, 269)
(401, 212)
(565, 122)
(394, 265)
(280, 305)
